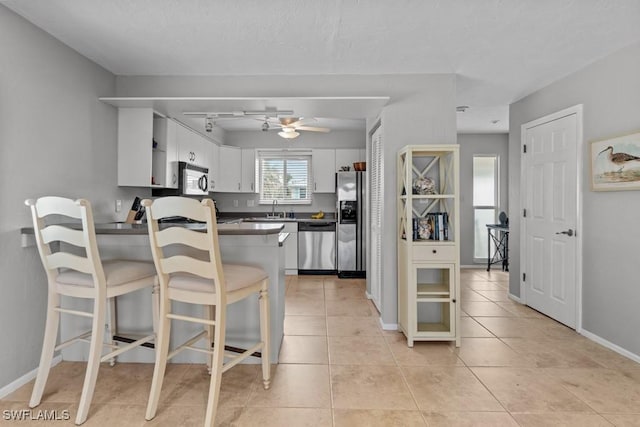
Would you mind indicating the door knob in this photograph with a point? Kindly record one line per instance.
(568, 232)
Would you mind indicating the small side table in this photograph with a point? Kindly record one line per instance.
(499, 235)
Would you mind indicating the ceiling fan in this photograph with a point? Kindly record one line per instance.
(289, 126)
(270, 118)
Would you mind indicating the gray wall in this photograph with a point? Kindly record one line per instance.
(56, 138)
(471, 144)
(421, 111)
(306, 140)
(610, 92)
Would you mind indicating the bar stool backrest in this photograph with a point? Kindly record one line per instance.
(179, 235)
(64, 257)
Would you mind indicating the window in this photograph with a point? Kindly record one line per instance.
(284, 176)
(485, 202)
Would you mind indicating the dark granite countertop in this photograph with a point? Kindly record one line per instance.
(261, 217)
(237, 229)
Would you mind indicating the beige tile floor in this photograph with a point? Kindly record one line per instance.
(338, 368)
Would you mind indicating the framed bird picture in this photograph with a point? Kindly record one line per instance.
(615, 163)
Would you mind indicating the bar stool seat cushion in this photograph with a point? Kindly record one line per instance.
(237, 276)
(117, 272)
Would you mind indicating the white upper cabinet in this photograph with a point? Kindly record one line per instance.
(146, 149)
(192, 147)
(165, 153)
(248, 181)
(135, 142)
(214, 166)
(347, 157)
(230, 169)
(323, 165)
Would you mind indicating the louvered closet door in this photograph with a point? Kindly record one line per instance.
(377, 197)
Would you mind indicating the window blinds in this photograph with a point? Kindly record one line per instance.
(285, 177)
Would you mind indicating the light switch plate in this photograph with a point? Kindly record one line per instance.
(235, 203)
(251, 203)
(118, 205)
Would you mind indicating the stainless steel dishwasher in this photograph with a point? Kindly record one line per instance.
(316, 247)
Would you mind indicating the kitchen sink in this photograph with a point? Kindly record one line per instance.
(269, 218)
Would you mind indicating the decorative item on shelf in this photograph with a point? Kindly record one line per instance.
(360, 166)
(424, 186)
(345, 168)
(424, 229)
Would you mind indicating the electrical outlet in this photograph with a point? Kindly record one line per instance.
(118, 205)
(235, 203)
(251, 203)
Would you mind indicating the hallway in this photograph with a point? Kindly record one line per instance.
(337, 367)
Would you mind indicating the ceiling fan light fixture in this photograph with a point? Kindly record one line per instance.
(288, 133)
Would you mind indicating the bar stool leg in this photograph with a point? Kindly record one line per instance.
(216, 366)
(93, 361)
(265, 335)
(48, 347)
(162, 351)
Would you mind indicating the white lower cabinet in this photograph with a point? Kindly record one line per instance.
(291, 248)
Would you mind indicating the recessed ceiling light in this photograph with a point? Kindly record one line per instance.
(462, 108)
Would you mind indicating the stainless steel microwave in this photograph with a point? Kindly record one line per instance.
(193, 180)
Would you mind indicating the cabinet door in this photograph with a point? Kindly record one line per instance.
(248, 183)
(165, 164)
(291, 252)
(191, 146)
(214, 166)
(230, 169)
(323, 163)
(135, 142)
(346, 157)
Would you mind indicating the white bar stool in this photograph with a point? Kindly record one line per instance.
(206, 282)
(81, 276)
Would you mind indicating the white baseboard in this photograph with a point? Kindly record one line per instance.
(388, 326)
(368, 295)
(610, 345)
(515, 298)
(474, 266)
(13, 386)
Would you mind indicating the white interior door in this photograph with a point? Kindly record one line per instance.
(550, 198)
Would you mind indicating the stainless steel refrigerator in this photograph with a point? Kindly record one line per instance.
(351, 228)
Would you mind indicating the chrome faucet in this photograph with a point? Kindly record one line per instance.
(273, 207)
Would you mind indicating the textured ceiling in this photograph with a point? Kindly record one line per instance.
(501, 50)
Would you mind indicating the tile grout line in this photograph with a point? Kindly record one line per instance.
(326, 323)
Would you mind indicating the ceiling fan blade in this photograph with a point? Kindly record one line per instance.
(313, 129)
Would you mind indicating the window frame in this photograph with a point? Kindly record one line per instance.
(284, 155)
(495, 206)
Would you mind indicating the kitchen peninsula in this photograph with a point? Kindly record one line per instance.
(242, 242)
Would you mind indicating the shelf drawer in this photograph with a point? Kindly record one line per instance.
(434, 253)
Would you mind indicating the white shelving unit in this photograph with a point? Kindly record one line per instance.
(429, 263)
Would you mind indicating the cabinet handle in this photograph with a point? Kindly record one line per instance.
(315, 186)
(453, 300)
(175, 178)
(238, 186)
(434, 251)
(252, 186)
